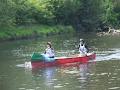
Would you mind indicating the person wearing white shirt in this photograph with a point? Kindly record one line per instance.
(49, 53)
(83, 48)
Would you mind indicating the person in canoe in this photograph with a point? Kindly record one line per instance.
(47, 56)
(49, 53)
(83, 48)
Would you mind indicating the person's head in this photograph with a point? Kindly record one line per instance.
(49, 44)
(81, 40)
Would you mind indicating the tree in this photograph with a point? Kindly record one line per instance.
(114, 18)
(7, 13)
(65, 11)
(91, 14)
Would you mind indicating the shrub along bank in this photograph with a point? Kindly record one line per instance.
(26, 32)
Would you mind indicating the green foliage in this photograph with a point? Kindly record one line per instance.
(85, 15)
(90, 14)
(33, 11)
(7, 13)
(33, 31)
(116, 14)
(111, 15)
(65, 11)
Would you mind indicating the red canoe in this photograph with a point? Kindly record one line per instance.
(63, 60)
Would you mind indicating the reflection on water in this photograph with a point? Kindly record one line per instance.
(44, 78)
(72, 76)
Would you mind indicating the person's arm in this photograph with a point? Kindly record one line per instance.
(87, 48)
(53, 51)
(45, 51)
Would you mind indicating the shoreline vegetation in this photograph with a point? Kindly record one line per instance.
(24, 19)
(109, 32)
(37, 31)
(33, 31)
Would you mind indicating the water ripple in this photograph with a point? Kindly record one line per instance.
(58, 86)
(21, 88)
(114, 88)
(112, 54)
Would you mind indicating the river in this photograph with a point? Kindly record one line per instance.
(103, 73)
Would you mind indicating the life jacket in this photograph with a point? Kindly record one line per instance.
(49, 52)
(82, 49)
(84, 46)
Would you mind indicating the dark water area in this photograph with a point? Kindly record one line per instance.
(103, 73)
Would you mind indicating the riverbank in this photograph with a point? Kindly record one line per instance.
(27, 32)
(110, 32)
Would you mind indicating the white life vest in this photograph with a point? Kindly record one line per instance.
(82, 49)
(49, 52)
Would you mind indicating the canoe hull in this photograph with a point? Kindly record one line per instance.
(61, 61)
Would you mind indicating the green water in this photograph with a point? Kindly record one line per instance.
(100, 74)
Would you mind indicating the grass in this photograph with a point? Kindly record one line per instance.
(33, 31)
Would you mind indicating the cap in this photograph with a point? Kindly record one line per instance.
(49, 43)
(81, 39)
